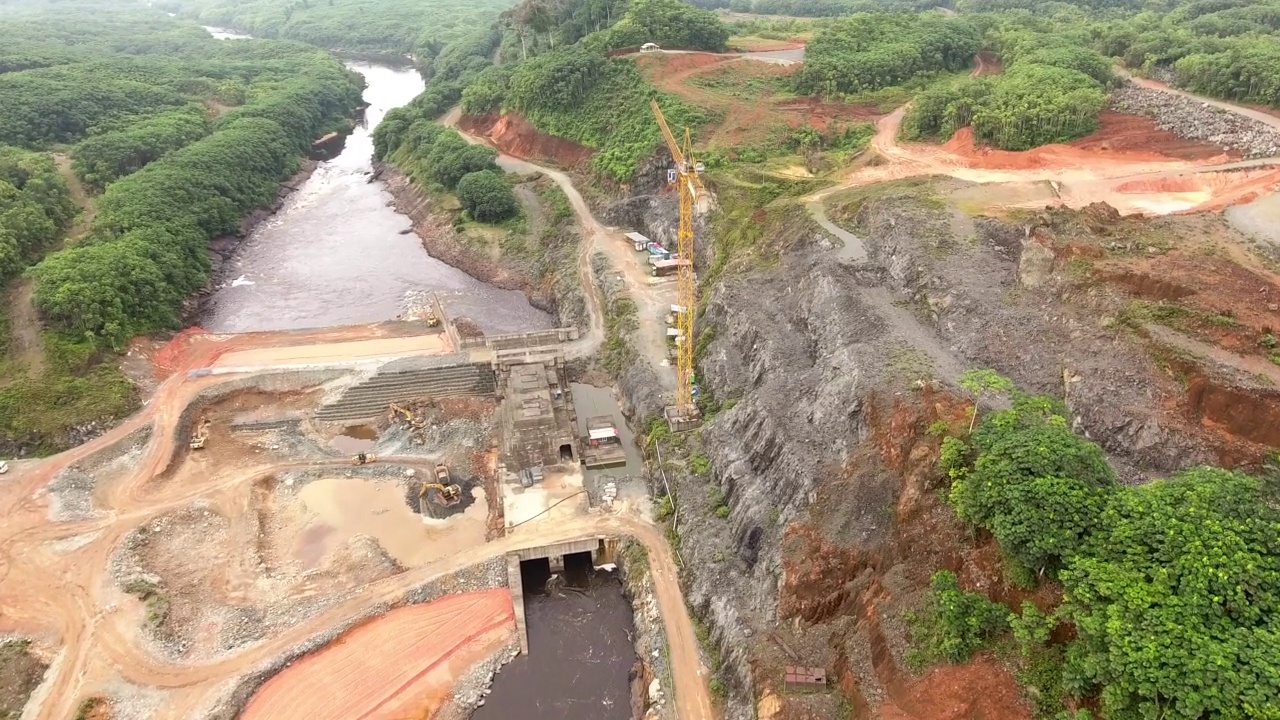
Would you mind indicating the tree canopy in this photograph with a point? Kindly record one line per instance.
(182, 134)
(389, 26)
(486, 196)
(869, 51)
(1172, 588)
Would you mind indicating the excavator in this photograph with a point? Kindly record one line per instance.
(364, 459)
(200, 434)
(415, 422)
(449, 493)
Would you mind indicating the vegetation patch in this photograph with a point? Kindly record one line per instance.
(1168, 588)
(20, 674)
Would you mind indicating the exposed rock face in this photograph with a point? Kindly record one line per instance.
(827, 488)
(1034, 338)
(1194, 120)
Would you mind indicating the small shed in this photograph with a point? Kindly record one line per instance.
(805, 678)
(649, 47)
(638, 241)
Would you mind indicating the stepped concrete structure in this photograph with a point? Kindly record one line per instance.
(400, 380)
(453, 366)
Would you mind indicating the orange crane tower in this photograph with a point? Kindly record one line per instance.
(684, 413)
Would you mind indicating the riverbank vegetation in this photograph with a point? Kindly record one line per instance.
(181, 135)
(400, 27)
(1168, 589)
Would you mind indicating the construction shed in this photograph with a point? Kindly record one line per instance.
(638, 241)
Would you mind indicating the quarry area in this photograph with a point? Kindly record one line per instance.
(332, 523)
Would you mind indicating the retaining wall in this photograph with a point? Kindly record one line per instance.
(401, 380)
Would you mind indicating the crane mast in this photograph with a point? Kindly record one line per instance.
(688, 184)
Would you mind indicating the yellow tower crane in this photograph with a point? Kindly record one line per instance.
(684, 414)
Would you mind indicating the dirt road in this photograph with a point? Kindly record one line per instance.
(1064, 174)
(64, 595)
(653, 300)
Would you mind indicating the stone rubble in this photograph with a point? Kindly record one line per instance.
(1195, 120)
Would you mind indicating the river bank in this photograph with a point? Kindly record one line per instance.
(333, 252)
(542, 265)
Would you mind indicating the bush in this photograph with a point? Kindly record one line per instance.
(486, 196)
(955, 623)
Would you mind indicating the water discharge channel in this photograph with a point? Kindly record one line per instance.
(337, 254)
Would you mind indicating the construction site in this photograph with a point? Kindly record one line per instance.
(351, 521)
(285, 486)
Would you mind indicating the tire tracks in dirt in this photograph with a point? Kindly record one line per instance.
(62, 596)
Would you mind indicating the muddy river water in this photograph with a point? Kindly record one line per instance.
(338, 254)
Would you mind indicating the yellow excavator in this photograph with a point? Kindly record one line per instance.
(200, 434)
(449, 493)
(364, 459)
(415, 422)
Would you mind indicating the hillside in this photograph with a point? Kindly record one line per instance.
(965, 295)
(178, 137)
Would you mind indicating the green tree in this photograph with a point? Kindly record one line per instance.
(1175, 601)
(486, 196)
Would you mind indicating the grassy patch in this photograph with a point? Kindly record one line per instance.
(79, 384)
(1175, 316)
(620, 324)
(20, 674)
(155, 599)
(94, 707)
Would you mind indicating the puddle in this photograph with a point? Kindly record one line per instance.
(314, 544)
(591, 401)
(355, 439)
(351, 506)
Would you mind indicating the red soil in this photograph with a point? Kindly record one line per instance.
(518, 137)
(1121, 133)
(746, 120)
(1090, 151)
(978, 690)
(400, 665)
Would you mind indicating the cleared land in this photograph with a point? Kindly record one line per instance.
(402, 664)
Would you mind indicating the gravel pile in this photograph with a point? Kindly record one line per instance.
(474, 685)
(484, 576)
(1194, 120)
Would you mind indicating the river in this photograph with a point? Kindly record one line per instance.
(581, 649)
(337, 254)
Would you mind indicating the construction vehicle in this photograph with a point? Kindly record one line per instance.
(364, 459)
(449, 493)
(431, 319)
(200, 434)
(415, 422)
(683, 414)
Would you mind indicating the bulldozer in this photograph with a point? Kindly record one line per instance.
(364, 459)
(200, 434)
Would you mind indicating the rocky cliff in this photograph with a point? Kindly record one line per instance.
(832, 377)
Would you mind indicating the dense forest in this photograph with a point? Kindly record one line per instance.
(873, 51)
(390, 26)
(179, 134)
(1051, 90)
(575, 91)
(1170, 589)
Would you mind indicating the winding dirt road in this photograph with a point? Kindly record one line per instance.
(64, 595)
(1133, 182)
(653, 300)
